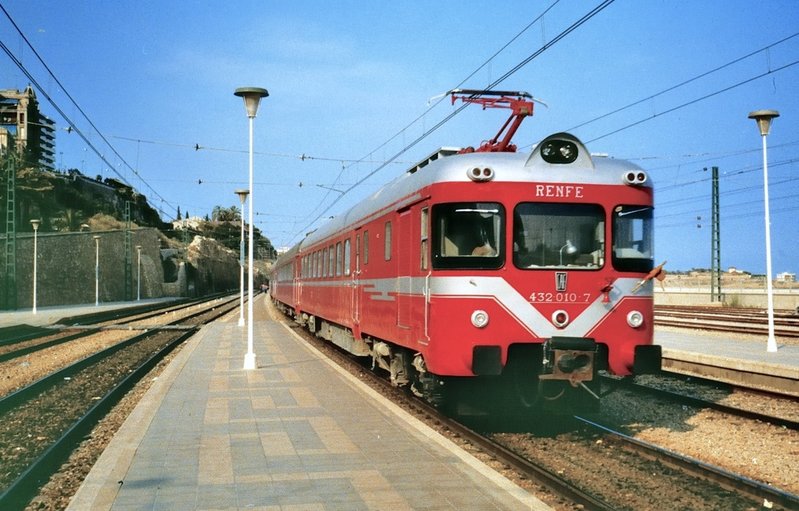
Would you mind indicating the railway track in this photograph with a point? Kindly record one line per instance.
(728, 319)
(702, 481)
(23, 340)
(465, 435)
(756, 491)
(17, 333)
(765, 376)
(658, 390)
(45, 421)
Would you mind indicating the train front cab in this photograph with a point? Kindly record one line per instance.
(536, 308)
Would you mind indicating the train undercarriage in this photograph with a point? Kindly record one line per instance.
(556, 377)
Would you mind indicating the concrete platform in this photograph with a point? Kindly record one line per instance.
(743, 360)
(296, 433)
(748, 350)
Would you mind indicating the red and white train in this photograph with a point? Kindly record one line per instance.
(488, 278)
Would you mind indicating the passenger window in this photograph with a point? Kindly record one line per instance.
(365, 247)
(424, 263)
(346, 257)
(313, 265)
(357, 253)
(468, 235)
(387, 241)
(338, 259)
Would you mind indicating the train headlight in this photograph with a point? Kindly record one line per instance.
(635, 319)
(480, 174)
(559, 151)
(638, 177)
(479, 318)
(560, 318)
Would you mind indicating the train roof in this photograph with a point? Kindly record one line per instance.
(448, 165)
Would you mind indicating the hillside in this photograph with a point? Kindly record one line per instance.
(71, 201)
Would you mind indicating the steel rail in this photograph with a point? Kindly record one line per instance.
(723, 319)
(528, 468)
(531, 470)
(87, 325)
(702, 403)
(18, 495)
(745, 485)
(18, 333)
(699, 325)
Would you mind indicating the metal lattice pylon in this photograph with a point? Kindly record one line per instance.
(10, 288)
(128, 255)
(715, 255)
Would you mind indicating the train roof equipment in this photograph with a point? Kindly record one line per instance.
(520, 103)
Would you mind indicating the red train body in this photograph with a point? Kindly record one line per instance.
(488, 277)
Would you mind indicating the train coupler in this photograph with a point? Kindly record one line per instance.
(570, 359)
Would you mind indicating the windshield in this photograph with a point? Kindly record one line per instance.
(468, 235)
(547, 235)
(632, 238)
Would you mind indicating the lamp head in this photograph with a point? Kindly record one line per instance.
(763, 119)
(242, 195)
(35, 224)
(252, 97)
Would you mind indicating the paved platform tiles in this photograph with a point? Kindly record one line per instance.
(294, 434)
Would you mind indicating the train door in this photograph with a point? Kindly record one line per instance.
(404, 248)
(356, 279)
(424, 265)
(363, 274)
(297, 283)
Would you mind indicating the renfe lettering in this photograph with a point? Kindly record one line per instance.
(566, 191)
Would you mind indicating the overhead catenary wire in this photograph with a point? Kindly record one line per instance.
(695, 100)
(684, 82)
(593, 12)
(199, 147)
(418, 118)
(72, 124)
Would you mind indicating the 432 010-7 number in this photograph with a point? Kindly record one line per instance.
(549, 297)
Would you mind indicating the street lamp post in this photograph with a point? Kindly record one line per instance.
(138, 273)
(252, 97)
(763, 119)
(96, 269)
(242, 197)
(35, 224)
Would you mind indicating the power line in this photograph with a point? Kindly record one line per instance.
(686, 82)
(199, 147)
(596, 10)
(74, 127)
(418, 118)
(696, 100)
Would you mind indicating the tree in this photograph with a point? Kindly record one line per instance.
(223, 214)
(179, 217)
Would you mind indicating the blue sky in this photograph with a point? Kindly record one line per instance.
(351, 83)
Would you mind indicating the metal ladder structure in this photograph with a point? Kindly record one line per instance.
(128, 255)
(9, 298)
